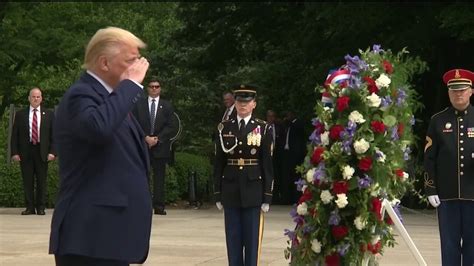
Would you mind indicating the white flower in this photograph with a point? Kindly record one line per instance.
(375, 189)
(328, 109)
(380, 156)
(361, 146)
(303, 188)
(302, 209)
(326, 196)
(375, 239)
(347, 172)
(374, 100)
(394, 202)
(360, 222)
(405, 176)
(325, 138)
(383, 81)
(316, 246)
(310, 175)
(341, 200)
(356, 117)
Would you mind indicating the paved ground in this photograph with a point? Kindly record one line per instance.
(196, 237)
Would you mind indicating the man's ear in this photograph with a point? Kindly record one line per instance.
(103, 63)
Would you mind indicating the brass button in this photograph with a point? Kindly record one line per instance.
(240, 151)
(462, 134)
(240, 142)
(462, 156)
(461, 141)
(259, 177)
(461, 173)
(462, 149)
(241, 167)
(462, 165)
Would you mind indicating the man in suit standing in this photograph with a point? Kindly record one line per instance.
(277, 132)
(229, 103)
(103, 212)
(32, 146)
(155, 116)
(243, 178)
(294, 151)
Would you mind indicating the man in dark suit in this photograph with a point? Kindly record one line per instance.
(32, 146)
(294, 151)
(243, 178)
(103, 212)
(155, 116)
(277, 131)
(229, 103)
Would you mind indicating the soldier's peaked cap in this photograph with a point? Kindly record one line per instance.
(244, 92)
(458, 79)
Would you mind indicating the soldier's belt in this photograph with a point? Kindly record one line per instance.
(242, 162)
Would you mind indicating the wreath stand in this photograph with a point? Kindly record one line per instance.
(387, 207)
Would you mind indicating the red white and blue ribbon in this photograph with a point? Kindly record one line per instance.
(337, 77)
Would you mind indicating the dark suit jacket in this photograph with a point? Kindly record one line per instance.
(103, 208)
(297, 141)
(20, 141)
(165, 127)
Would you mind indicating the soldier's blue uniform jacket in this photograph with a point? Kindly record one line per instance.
(449, 155)
(243, 171)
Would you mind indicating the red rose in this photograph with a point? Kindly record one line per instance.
(319, 128)
(376, 208)
(371, 85)
(399, 173)
(388, 220)
(374, 248)
(342, 103)
(377, 126)
(387, 66)
(333, 259)
(339, 231)
(400, 129)
(335, 132)
(340, 187)
(365, 164)
(307, 195)
(317, 155)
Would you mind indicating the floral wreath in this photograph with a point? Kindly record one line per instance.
(360, 144)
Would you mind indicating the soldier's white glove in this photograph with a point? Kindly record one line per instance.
(434, 200)
(265, 207)
(219, 205)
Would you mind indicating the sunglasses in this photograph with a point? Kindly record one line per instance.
(154, 86)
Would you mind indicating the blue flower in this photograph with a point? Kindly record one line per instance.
(299, 184)
(334, 218)
(394, 133)
(291, 234)
(401, 96)
(355, 64)
(364, 182)
(376, 48)
(385, 101)
(342, 249)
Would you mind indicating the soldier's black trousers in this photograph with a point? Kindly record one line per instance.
(243, 232)
(456, 219)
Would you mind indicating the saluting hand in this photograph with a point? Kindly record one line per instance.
(136, 71)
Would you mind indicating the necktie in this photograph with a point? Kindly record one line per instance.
(34, 128)
(241, 127)
(152, 117)
(273, 132)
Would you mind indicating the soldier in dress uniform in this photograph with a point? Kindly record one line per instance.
(243, 175)
(449, 166)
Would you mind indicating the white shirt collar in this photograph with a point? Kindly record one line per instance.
(37, 108)
(157, 99)
(106, 86)
(246, 119)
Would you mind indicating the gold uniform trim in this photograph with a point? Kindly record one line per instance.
(242, 162)
(429, 143)
(260, 237)
(429, 182)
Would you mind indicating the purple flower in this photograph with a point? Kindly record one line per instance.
(298, 219)
(334, 218)
(291, 234)
(355, 64)
(394, 134)
(299, 184)
(315, 138)
(364, 182)
(342, 249)
(385, 101)
(319, 173)
(401, 96)
(308, 229)
(396, 208)
(376, 48)
(406, 154)
(355, 82)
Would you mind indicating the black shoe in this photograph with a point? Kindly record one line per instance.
(160, 211)
(28, 212)
(40, 212)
